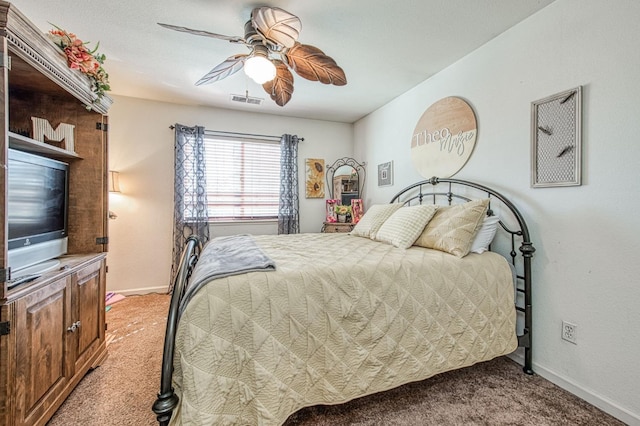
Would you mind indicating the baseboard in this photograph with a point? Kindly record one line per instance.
(588, 395)
(144, 290)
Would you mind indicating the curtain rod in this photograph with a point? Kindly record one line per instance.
(217, 132)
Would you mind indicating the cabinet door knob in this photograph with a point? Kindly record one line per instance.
(73, 327)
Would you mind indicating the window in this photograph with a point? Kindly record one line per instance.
(243, 178)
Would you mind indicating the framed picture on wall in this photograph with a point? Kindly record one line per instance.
(385, 173)
(556, 141)
(314, 186)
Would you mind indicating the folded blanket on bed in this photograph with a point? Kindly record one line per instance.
(225, 256)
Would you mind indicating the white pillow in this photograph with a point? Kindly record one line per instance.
(485, 234)
(405, 225)
(373, 219)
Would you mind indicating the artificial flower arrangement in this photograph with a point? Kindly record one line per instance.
(343, 210)
(79, 57)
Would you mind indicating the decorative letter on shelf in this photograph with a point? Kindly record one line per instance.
(63, 133)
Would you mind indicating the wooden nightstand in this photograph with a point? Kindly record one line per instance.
(337, 227)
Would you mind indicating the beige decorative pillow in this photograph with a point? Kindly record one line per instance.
(405, 225)
(453, 228)
(373, 219)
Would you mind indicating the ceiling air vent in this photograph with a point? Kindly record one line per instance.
(246, 99)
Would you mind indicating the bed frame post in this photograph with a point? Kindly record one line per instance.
(527, 250)
(167, 400)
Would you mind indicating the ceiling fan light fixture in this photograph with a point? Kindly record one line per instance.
(274, 32)
(258, 66)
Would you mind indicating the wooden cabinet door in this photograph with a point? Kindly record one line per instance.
(88, 302)
(88, 196)
(43, 367)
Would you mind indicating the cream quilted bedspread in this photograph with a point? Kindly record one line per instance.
(341, 317)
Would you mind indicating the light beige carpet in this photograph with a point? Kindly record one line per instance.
(122, 390)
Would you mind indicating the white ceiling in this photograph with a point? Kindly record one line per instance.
(384, 47)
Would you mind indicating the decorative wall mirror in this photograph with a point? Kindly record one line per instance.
(345, 180)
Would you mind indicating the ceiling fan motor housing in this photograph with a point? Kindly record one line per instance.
(250, 33)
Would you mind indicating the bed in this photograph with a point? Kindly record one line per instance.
(325, 318)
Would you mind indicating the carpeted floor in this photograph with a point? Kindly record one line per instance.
(122, 390)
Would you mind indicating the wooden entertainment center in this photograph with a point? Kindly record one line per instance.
(52, 329)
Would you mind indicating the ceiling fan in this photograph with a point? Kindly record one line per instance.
(272, 38)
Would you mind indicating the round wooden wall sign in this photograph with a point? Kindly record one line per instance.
(444, 138)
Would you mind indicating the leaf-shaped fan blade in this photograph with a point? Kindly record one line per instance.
(280, 88)
(311, 63)
(230, 66)
(232, 39)
(276, 25)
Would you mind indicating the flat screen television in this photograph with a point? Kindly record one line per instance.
(37, 212)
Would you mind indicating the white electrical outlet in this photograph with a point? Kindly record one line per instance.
(569, 332)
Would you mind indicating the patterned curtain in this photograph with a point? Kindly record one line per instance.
(288, 211)
(190, 196)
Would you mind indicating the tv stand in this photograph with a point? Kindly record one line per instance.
(52, 329)
(57, 334)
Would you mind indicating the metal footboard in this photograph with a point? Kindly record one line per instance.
(167, 400)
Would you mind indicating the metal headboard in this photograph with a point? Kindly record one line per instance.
(439, 191)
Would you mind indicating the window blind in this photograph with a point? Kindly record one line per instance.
(243, 178)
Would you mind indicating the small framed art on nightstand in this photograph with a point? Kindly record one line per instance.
(556, 140)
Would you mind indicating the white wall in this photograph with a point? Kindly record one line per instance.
(585, 268)
(141, 149)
